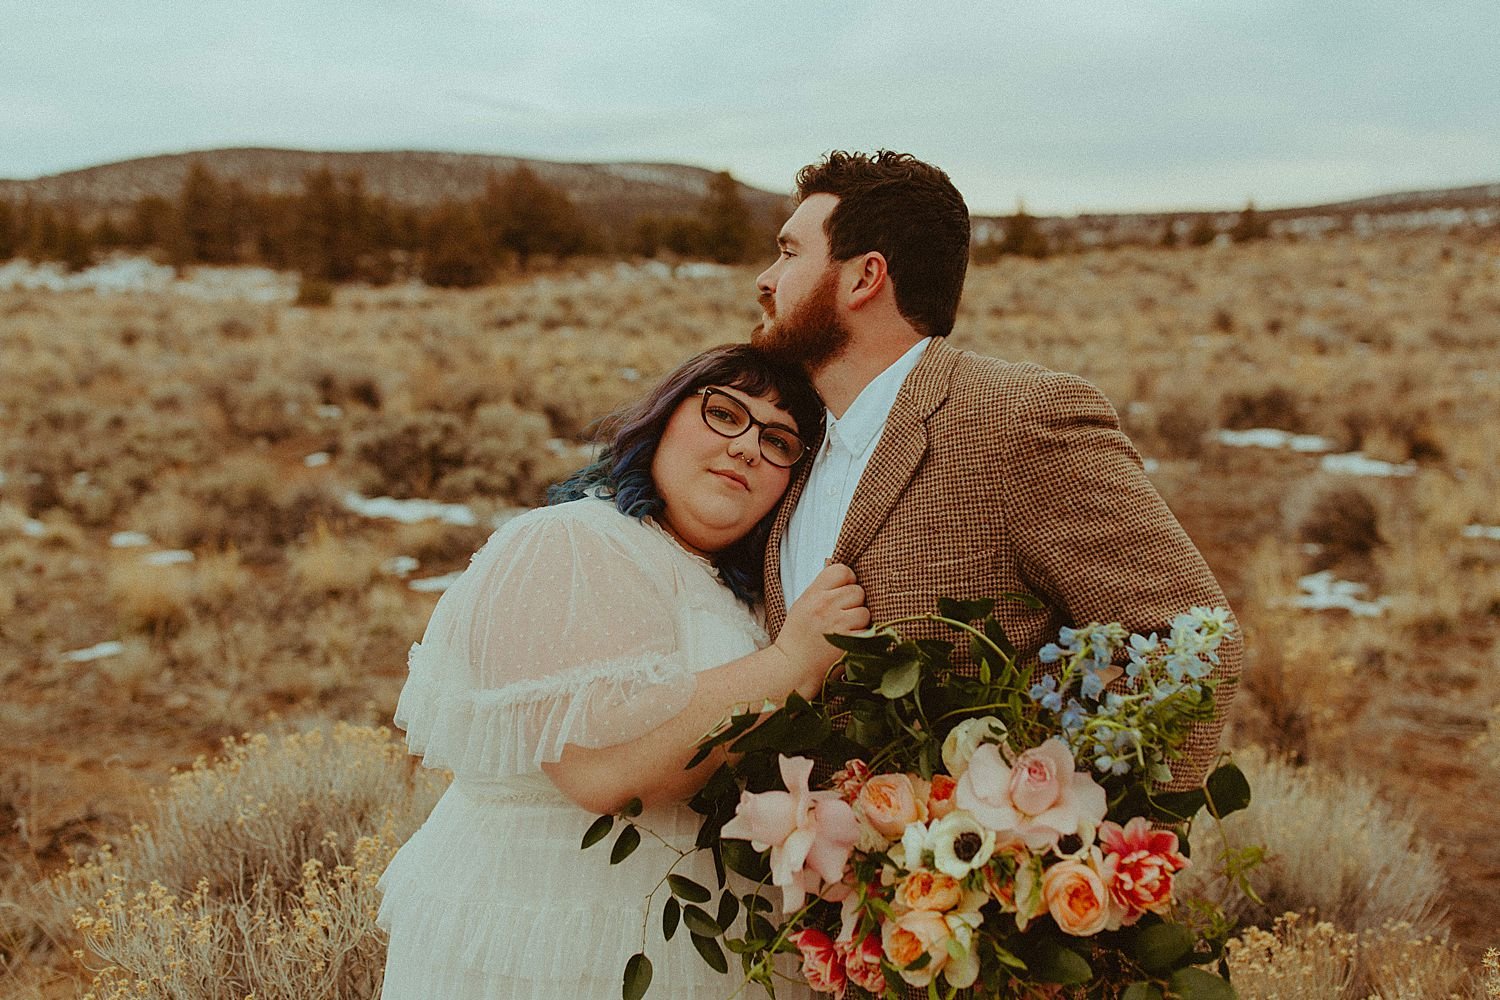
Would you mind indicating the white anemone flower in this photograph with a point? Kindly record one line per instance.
(960, 844)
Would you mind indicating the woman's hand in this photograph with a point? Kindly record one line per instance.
(834, 602)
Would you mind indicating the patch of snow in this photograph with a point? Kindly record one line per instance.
(129, 539)
(330, 411)
(1489, 531)
(435, 584)
(701, 270)
(1271, 437)
(1150, 465)
(123, 274)
(629, 374)
(316, 459)
(168, 557)
(32, 528)
(1355, 463)
(410, 511)
(96, 652)
(402, 566)
(1323, 592)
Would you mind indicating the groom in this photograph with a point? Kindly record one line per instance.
(944, 473)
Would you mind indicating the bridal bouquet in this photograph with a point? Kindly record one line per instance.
(997, 829)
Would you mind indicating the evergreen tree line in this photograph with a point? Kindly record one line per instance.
(334, 230)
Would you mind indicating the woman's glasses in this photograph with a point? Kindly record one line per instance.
(723, 414)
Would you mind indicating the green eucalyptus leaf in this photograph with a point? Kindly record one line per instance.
(632, 808)
(699, 922)
(625, 844)
(901, 679)
(1162, 946)
(597, 831)
(637, 977)
(1228, 790)
(1178, 806)
(1141, 991)
(685, 888)
(742, 859)
(965, 611)
(867, 643)
(671, 915)
(1196, 984)
(756, 904)
(729, 908)
(711, 952)
(1050, 962)
(1017, 597)
(996, 634)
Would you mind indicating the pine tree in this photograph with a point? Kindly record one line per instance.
(1249, 226)
(526, 216)
(457, 251)
(203, 214)
(726, 220)
(1203, 232)
(8, 235)
(1023, 236)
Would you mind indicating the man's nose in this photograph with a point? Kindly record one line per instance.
(763, 282)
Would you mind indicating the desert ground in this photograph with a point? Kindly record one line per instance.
(188, 552)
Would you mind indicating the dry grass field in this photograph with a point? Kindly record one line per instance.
(251, 599)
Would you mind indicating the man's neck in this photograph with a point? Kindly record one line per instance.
(843, 378)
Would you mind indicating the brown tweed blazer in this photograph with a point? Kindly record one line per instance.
(992, 476)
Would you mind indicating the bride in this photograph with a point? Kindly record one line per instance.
(573, 667)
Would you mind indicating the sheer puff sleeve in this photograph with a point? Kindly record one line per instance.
(560, 632)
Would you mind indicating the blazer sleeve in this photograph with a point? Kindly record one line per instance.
(1094, 538)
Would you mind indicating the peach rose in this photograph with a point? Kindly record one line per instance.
(822, 965)
(924, 889)
(889, 802)
(940, 798)
(1076, 898)
(1040, 798)
(1013, 879)
(917, 932)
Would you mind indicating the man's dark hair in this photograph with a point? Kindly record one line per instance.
(909, 212)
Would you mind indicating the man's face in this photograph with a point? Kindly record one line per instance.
(799, 292)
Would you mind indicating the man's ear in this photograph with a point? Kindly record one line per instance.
(866, 277)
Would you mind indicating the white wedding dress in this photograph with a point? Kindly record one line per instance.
(574, 624)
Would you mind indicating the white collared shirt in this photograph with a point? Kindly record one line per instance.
(848, 443)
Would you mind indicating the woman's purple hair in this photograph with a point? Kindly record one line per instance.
(622, 472)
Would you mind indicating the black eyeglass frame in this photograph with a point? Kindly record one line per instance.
(712, 390)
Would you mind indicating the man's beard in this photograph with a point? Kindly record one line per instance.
(811, 335)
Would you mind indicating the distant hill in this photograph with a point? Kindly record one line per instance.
(610, 192)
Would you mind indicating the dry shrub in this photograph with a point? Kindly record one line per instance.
(1274, 406)
(272, 407)
(220, 579)
(1334, 848)
(328, 564)
(156, 599)
(256, 875)
(1296, 959)
(1486, 748)
(1344, 523)
(1299, 958)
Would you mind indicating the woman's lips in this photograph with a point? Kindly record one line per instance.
(733, 477)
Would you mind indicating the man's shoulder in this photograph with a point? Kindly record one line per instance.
(978, 380)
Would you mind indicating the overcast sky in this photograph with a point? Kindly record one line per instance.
(1072, 106)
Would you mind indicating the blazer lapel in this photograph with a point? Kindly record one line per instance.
(902, 444)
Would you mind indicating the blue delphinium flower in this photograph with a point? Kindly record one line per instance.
(1074, 716)
(1049, 653)
(1045, 693)
(1093, 684)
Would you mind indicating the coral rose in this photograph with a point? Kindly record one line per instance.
(917, 932)
(1041, 798)
(862, 963)
(1142, 863)
(822, 964)
(1076, 898)
(889, 802)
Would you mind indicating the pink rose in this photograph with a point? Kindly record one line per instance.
(1076, 898)
(822, 965)
(891, 801)
(940, 798)
(1040, 799)
(862, 963)
(850, 779)
(1142, 862)
(810, 834)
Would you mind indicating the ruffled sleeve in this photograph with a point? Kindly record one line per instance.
(560, 632)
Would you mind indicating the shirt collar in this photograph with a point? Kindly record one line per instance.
(865, 418)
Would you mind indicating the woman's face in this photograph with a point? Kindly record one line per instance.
(716, 488)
